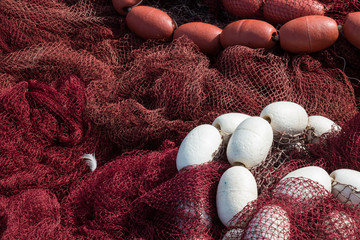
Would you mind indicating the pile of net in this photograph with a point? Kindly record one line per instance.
(74, 80)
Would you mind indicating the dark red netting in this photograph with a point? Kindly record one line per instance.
(11, 37)
(295, 208)
(43, 134)
(164, 90)
(153, 100)
(29, 213)
(104, 202)
(74, 80)
(341, 150)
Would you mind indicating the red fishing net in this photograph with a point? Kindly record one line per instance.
(104, 201)
(341, 150)
(43, 134)
(29, 213)
(295, 208)
(74, 80)
(152, 100)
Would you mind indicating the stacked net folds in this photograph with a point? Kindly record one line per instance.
(304, 79)
(154, 100)
(35, 213)
(141, 92)
(75, 80)
(102, 205)
(43, 134)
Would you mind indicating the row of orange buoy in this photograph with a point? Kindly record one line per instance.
(274, 11)
(305, 34)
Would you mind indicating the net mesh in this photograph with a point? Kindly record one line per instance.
(279, 212)
(341, 150)
(75, 80)
(104, 202)
(43, 134)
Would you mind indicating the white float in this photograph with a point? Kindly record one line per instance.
(237, 187)
(339, 225)
(346, 185)
(199, 146)
(250, 143)
(228, 122)
(321, 125)
(285, 117)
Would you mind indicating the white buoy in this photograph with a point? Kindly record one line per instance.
(90, 161)
(346, 185)
(285, 117)
(228, 122)
(250, 143)
(237, 187)
(339, 225)
(321, 125)
(297, 187)
(314, 173)
(234, 233)
(199, 146)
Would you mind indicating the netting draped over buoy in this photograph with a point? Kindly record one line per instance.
(74, 80)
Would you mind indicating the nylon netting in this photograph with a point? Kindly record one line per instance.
(341, 150)
(74, 80)
(103, 203)
(283, 210)
(43, 133)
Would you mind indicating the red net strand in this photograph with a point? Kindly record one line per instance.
(74, 80)
(44, 132)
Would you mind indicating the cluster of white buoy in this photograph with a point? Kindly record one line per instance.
(248, 140)
(272, 221)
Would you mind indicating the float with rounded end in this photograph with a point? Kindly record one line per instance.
(237, 187)
(321, 125)
(248, 32)
(270, 222)
(308, 34)
(204, 35)
(199, 146)
(301, 193)
(351, 28)
(250, 143)
(282, 11)
(303, 188)
(243, 8)
(228, 122)
(339, 225)
(317, 174)
(121, 6)
(285, 117)
(150, 23)
(346, 185)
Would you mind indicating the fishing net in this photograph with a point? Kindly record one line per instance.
(295, 208)
(43, 134)
(74, 80)
(144, 92)
(35, 214)
(104, 201)
(152, 100)
(340, 150)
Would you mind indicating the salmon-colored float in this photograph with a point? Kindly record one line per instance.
(308, 34)
(249, 32)
(204, 35)
(150, 23)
